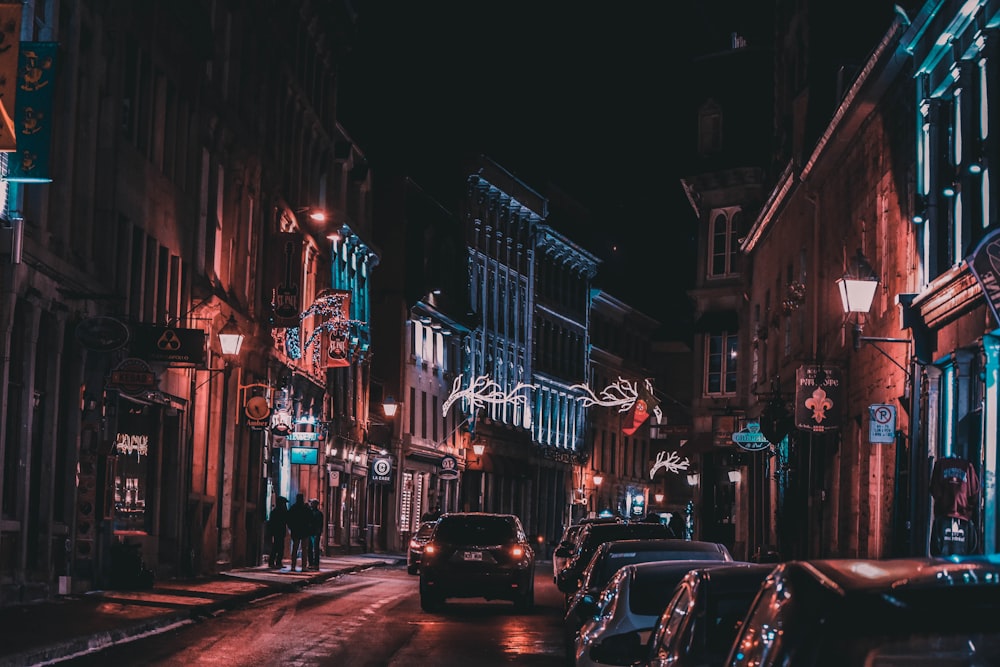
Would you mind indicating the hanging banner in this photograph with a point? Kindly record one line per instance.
(338, 327)
(818, 398)
(10, 35)
(285, 268)
(984, 262)
(644, 404)
(36, 74)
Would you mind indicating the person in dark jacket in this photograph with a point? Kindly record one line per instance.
(316, 521)
(299, 520)
(276, 529)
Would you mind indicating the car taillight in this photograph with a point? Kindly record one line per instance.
(517, 551)
(414, 544)
(429, 549)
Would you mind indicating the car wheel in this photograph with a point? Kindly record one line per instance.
(430, 601)
(525, 600)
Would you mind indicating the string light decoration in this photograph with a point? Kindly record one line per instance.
(483, 391)
(332, 307)
(626, 396)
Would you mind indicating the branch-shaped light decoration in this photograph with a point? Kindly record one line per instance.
(621, 394)
(484, 391)
(671, 462)
(332, 307)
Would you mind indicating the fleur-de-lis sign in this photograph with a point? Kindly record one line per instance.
(483, 391)
(819, 404)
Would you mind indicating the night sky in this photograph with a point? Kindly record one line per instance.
(587, 96)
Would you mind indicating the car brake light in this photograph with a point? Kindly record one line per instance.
(517, 551)
(428, 549)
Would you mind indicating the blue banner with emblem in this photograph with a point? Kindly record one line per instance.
(984, 262)
(36, 73)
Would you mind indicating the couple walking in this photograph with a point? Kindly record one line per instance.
(305, 522)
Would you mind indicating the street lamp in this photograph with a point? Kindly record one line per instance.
(230, 338)
(389, 407)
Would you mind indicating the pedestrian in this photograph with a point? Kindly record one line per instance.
(316, 530)
(276, 529)
(298, 525)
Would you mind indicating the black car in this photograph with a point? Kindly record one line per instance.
(613, 556)
(477, 554)
(416, 547)
(594, 535)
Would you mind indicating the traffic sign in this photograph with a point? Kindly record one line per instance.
(882, 424)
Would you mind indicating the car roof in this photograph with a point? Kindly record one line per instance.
(843, 576)
(605, 532)
(731, 576)
(660, 544)
(663, 567)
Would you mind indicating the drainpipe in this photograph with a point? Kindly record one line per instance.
(812, 198)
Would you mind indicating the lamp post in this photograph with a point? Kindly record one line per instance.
(230, 342)
(389, 408)
(598, 479)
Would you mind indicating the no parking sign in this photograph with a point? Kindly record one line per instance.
(882, 424)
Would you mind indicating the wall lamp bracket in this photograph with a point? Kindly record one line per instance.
(874, 341)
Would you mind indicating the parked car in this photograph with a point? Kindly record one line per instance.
(594, 535)
(612, 556)
(565, 547)
(912, 611)
(416, 546)
(477, 554)
(698, 625)
(622, 615)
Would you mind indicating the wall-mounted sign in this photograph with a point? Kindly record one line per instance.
(171, 345)
(750, 438)
(132, 376)
(258, 411)
(102, 334)
(381, 470)
(303, 435)
(818, 398)
(308, 456)
(281, 421)
(881, 424)
(449, 468)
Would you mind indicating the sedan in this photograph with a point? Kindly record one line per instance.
(622, 616)
(700, 621)
(416, 548)
(912, 611)
(612, 556)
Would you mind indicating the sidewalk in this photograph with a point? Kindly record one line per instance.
(46, 632)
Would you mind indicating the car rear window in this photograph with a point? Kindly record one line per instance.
(649, 595)
(617, 561)
(425, 530)
(477, 531)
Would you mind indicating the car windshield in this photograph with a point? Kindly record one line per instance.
(476, 531)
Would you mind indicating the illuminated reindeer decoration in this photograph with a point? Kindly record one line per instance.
(622, 395)
(671, 462)
(482, 392)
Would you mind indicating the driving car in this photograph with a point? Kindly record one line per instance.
(622, 616)
(699, 623)
(477, 554)
(612, 556)
(912, 611)
(416, 546)
(593, 535)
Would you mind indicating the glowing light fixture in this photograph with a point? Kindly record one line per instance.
(598, 479)
(735, 476)
(857, 287)
(230, 338)
(692, 479)
(389, 407)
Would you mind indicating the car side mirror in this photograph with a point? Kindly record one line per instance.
(625, 649)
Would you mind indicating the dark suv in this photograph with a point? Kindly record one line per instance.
(593, 536)
(477, 554)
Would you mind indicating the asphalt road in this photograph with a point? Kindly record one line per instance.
(369, 618)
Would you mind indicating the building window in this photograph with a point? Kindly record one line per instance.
(710, 128)
(724, 243)
(720, 364)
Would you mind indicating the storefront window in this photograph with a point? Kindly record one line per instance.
(133, 446)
